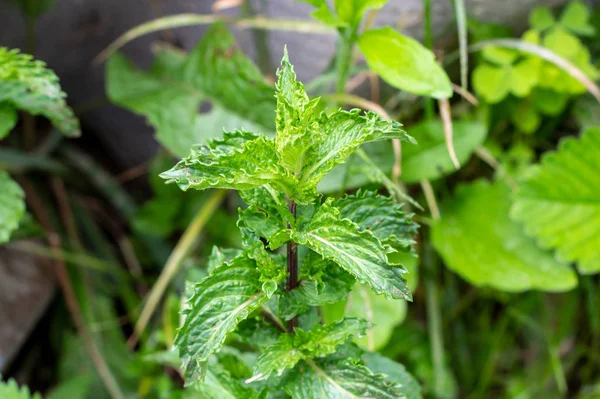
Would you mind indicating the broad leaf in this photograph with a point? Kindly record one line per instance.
(219, 302)
(320, 341)
(493, 250)
(239, 161)
(341, 134)
(170, 94)
(559, 201)
(430, 160)
(360, 253)
(334, 378)
(26, 84)
(541, 18)
(10, 390)
(12, 206)
(576, 18)
(321, 282)
(380, 215)
(404, 63)
(395, 373)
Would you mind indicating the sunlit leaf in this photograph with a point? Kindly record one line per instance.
(404, 63)
(559, 201)
(10, 390)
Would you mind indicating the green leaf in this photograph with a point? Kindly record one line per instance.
(360, 253)
(273, 269)
(27, 84)
(219, 384)
(493, 250)
(169, 96)
(12, 206)
(239, 161)
(559, 201)
(576, 18)
(320, 341)
(219, 302)
(524, 76)
(8, 119)
(380, 215)
(490, 83)
(430, 160)
(395, 372)
(296, 121)
(321, 282)
(10, 390)
(342, 133)
(541, 18)
(404, 63)
(352, 11)
(549, 102)
(333, 378)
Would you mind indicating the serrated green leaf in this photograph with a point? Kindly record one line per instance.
(430, 160)
(12, 206)
(493, 250)
(576, 18)
(559, 201)
(10, 390)
(321, 282)
(219, 302)
(27, 84)
(380, 215)
(541, 18)
(221, 256)
(342, 133)
(8, 119)
(219, 384)
(171, 93)
(332, 378)
(296, 121)
(395, 373)
(273, 269)
(404, 63)
(320, 341)
(360, 253)
(239, 161)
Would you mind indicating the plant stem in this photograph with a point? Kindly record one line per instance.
(344, 59)
(292, 266)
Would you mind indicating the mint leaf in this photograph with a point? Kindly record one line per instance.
(335, 378)
(342, 133)
(12, 206)
(219, 384)
(240, 161)
(10, 390)
(404, 63)
(219, 302)
(380, 215)
(8, 119)
(26, 84)
(495, 251)
(395, 373)
(559, 201)
(360, 253)
(170, 94)
(320, 341)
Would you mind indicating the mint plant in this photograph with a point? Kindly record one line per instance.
(330, 244)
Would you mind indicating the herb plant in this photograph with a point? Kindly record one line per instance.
(331, 244)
